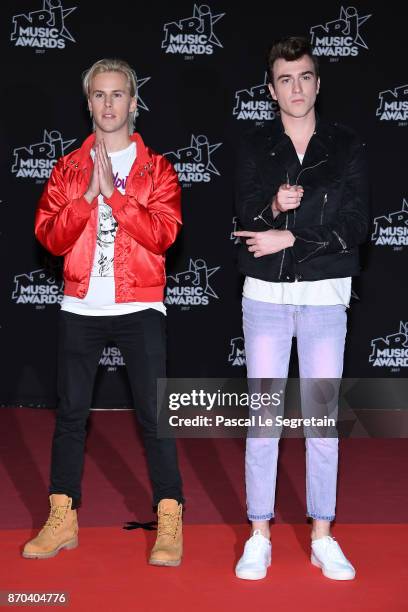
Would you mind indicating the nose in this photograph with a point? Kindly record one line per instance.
(108, 101)
(297, 86)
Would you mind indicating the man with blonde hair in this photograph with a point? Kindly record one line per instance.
(112, 209)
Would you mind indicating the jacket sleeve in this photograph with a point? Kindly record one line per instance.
(156, 225)
(351, 226)
(252, 205)
(60, 221)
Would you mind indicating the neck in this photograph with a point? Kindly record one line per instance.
(299, 128)
(115, 141)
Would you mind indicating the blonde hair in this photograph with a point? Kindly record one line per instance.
(112, 65)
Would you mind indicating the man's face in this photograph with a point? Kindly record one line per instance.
(295, 86)
(110, 101)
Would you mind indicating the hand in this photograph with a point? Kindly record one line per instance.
(93, 188)
(287, 198)
(266, 243)
(105, 171)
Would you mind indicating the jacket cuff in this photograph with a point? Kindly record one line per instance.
(303, 248)
(266, 215)
(116, 201)
(279, 221)
(83, 208)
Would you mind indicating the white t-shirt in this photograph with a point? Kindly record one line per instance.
(328, 292)
(100, 298)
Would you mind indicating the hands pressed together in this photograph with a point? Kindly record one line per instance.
(273, 241)
(102, 175)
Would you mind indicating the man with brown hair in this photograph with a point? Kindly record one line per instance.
(302, 199)
(112, 209)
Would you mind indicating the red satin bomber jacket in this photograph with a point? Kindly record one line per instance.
(148, 216)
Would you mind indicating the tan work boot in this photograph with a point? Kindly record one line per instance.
(60, 530)
(168, 548)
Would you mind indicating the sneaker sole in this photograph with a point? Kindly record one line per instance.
(329, 574)
(67, 545)
(158, 562)
(252, 575)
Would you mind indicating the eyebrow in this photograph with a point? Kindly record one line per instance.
(105, 90)
(285, 76)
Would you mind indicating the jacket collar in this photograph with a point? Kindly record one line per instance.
(322, 135)
(280, 148)
(82, 157)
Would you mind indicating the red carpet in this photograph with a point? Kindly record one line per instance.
(373, 475)
(109, 572)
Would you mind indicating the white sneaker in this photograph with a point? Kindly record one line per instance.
(256, 558)
(327, 554)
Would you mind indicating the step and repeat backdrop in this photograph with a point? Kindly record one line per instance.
(202, 84)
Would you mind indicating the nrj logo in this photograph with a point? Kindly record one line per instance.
(393, 104)
(44, 28)
(194, 35)
(237, 352)
(391, 351)
(392, 229)
(192, 287)
(340, 37)
(255, 103)
(37, 287)
(193, 164)
(111, 358)
(37, 160)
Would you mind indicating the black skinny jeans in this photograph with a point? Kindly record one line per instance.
(141, 338)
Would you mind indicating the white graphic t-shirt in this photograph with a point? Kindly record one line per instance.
(100, 298)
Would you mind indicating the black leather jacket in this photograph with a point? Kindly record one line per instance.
(333, 217)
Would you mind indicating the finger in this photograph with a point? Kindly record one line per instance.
(252, 249)
(251, 241)
(258, 254)
(245, 234)
(103, 149)
(102, 155)
(108, 160)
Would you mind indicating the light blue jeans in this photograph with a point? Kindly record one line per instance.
(320, 332)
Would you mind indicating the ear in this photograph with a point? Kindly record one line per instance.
(89, 106)
(133, 105)
(318, 86)
(272, 91)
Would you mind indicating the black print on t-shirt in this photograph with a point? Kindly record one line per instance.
(105, 238)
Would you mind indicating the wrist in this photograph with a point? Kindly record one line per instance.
(291, 238)
(108, 194)
(275, 211)
(89, 196)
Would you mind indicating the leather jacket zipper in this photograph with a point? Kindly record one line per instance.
(284, 251)
(342, 242)
(323, 161)
(323, 205)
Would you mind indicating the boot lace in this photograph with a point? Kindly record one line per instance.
(168, 523)
(57, 516)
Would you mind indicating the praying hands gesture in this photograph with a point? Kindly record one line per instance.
(102, 175)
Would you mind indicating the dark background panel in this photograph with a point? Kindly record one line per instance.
(188, 95)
